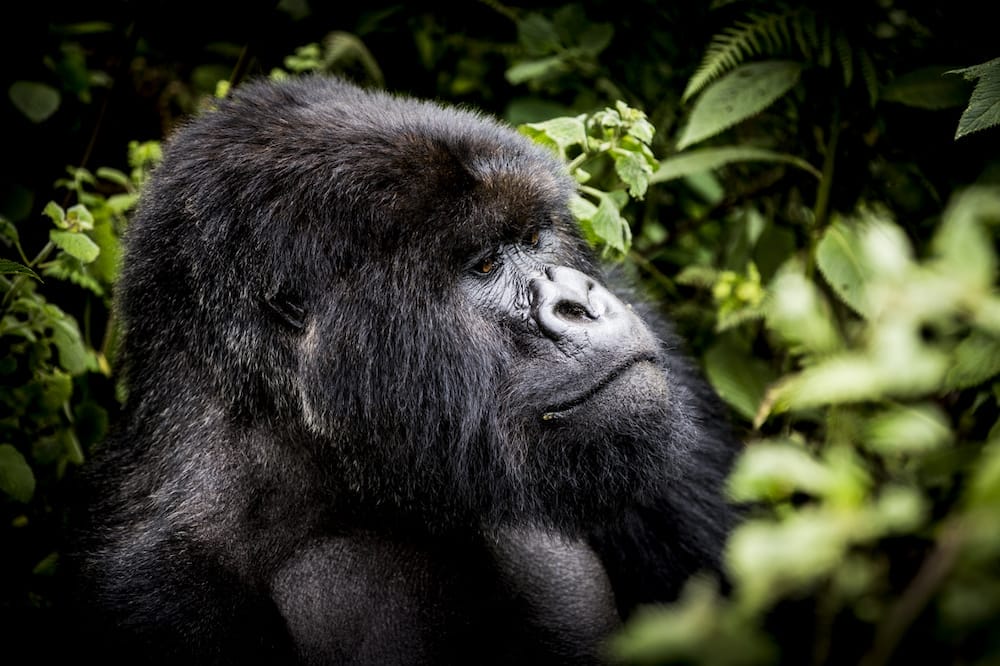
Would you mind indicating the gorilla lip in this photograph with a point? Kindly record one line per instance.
(557, 410)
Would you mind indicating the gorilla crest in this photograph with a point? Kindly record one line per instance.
(384, 406)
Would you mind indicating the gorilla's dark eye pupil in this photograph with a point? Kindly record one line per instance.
(533, 238)
(487, 265)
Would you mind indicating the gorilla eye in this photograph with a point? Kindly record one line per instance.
(487, 265)
(531, 240)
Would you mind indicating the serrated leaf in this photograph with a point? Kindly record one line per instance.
(743, 92)
(75, 244)
(634, 170)
(840, 257)
(927, 88)
(704, 159)
(558, 133)
(983, 110)
(8, 267)
(37, 101)
(16, 477)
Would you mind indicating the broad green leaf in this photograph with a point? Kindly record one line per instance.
(16, 477)
(773, 471)
(37, 101)
(595, 37)
(904, 430)
(898, 510)
(8, 267)
(770, 559)
(75, 244)
(700, 627)
(976, 360)
(963, 243)
(704, 159)
(558, 133)
(739, 378)
(840, 258)
(907, 372)
(73, 356)
(983, 110)
(534, 69)
(537, 34)
(927, 88)
(798, 312)
(743, 92)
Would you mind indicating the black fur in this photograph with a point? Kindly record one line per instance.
(378, 412)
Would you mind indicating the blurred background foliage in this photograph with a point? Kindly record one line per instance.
(811, 189)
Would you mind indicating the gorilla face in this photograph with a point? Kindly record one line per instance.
(401, 286)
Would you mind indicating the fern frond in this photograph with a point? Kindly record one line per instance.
(869, 74)
(846, 55)
(760, 34)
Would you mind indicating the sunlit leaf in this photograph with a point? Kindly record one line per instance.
(743, 92)
(75, 244)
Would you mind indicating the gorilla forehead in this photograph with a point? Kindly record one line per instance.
(387, 172)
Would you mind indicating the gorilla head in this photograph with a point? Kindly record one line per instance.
(381, 407)
(402, 283)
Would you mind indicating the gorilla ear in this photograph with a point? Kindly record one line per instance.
(286, 308)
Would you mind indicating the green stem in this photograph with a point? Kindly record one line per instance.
(821, 211)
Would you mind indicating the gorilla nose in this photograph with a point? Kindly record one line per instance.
(569, 306)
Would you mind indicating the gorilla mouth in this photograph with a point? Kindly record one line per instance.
(558, 410)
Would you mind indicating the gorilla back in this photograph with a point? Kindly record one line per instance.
(382, 407)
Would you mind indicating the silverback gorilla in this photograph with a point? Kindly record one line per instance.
(382, 407)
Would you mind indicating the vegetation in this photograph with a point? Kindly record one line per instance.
(812, 189)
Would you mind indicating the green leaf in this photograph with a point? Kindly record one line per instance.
(774, 471)
(16, 477)
(739, 378)
(537, 34)
(963, 244)
(56, 213)
(704, 159)
(927, 88)
(534, 69)
(840, 257)
(634, 170)
(37, 101)
(906, 430)
(976, 360)
(983, 110)
(75, 244)
(798, 312)
(558, 133)
(743, 92)
(73, 355)
(8, 267)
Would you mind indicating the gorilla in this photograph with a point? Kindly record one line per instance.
(384, 406)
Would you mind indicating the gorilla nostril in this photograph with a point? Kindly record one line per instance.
(573, 311)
